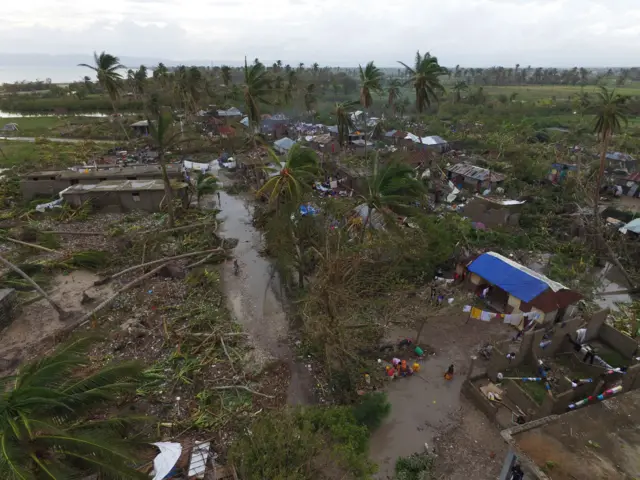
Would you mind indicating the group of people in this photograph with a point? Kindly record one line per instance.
(400, 368)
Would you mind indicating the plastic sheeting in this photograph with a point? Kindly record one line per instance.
(163, 463)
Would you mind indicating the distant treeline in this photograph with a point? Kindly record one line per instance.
(68, 104)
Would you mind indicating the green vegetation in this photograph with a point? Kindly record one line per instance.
(419, 466)
(47, 430)
(329, 443)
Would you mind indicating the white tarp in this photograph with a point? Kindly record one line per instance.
(163, 463)
(198, 462)
(55, 204)
(195, 165)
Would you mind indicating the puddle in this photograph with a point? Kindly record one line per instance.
(611, 280)
(254, 294)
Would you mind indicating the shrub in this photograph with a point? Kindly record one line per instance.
(419, 466)
(372, 410)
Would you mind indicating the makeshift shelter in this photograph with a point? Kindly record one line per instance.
(141, 127)
(232, 112)
(464, 173)
(10, 127)
(284, 145)
(510, 287)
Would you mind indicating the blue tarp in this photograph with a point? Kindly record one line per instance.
(512, 280)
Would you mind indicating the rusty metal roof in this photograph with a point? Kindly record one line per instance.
(477, 173)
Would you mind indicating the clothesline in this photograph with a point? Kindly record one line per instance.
(515, 319)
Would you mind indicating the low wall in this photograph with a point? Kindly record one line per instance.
(499, 363)
(475, 396)
(631, 381)
(521, 398)
(558, 338)
(617, 340)
(594, 323)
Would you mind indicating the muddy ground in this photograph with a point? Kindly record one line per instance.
(426, 409)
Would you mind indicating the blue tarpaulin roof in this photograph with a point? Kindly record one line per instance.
(513, 278)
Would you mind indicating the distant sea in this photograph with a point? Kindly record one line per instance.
(56, 74)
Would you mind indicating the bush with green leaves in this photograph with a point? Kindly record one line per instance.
(419, 466)
(372, 409)
(304, 444)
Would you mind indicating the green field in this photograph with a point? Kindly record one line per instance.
(29, 156)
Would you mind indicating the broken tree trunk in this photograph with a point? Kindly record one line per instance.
(61, 312)
(167, 259)
(32, 245)
(177, 229)
(85, 318)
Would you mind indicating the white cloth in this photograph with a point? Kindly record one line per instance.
(166, 459)
(487, 316)
(466, 308)
(581, 335)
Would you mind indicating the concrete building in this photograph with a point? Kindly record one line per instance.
(597, 442)
(123, 195)
(48, 184)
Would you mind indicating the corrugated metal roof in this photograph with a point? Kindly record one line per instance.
(284, 143)
(634, 177)
(619, 156)
(475, 172)
(513, 278)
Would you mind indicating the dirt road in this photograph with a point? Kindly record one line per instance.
(426, 409)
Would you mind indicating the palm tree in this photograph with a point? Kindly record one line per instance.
(301, 66)
(611, 113)
(161, 74)
(457, 88)
(256, 90)
(393, 93)
(315, 68)
(140, 80)
(52, 419)
(164, 138)
(344, 120)
(61, 312)
(424, 77)
(392, 186)
(294, 178)
(370, 81)
(225, 72)
(106, 68)
(205, 185)
(310, 97)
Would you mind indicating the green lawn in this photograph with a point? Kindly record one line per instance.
(67, 126)
(27, 156)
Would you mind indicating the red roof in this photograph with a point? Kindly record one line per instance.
(633, 177)
(226, 130)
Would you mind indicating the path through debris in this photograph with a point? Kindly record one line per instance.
(255, 296)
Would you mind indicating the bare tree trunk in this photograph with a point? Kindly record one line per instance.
(168, 191)
(603, 159)
(115, 111)
(62, 313)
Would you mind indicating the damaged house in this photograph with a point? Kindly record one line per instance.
(509, 287)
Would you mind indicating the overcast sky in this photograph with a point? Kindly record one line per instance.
(472, 33)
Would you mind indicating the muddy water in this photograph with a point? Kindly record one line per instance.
(255, 295)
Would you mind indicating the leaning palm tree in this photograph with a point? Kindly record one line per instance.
(205, 185)
(458, 88)
(53, 424)
(425, 79)
(370, 82)
(293, 179)
(393, 187)
(163, 138)
(61, 312)
(256, 90)
(611, 113)
(344, 120)
(161, 74)
(106, 68)
(393, 93)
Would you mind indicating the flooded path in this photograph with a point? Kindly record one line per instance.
(255, 295)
